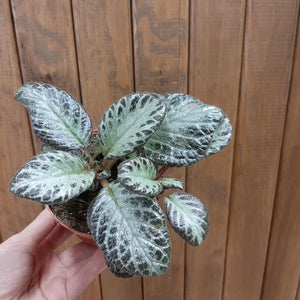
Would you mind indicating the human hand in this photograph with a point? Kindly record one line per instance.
(30, 268)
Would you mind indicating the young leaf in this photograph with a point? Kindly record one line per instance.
(139, 175)
(221, 138)
(52, 177)
(171, 183)
(188, 217)
(190, 131)
(129, 123)
(131, 231)
(47, 148)
(57, 118)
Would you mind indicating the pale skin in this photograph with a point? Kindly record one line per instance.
(31, 269)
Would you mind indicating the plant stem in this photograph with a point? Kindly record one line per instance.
(104, 183)
(108, 163)
(92, 160)
(161, 172)
(96, 154)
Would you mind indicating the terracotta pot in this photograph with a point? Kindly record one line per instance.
(85, 237)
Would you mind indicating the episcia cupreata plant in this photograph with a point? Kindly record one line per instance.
(138, 136)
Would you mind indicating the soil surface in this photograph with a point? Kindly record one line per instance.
(74, 212)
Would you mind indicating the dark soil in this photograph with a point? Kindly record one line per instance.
(74, 212)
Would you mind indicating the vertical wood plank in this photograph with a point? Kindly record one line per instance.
(104, 44)
(283, 264)
(215, 60)
(104, 47)
(15, 135)
(161, 53)
(161, 45)
(45, 36)
(114, 288)
(44, 31)
(269, 43)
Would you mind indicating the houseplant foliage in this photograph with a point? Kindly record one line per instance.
(120, 168)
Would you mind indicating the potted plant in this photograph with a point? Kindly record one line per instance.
(108, 180)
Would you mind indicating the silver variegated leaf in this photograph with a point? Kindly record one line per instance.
(221, 137)
(47, 148)
(78, 152)
(171, 183)
(51, 177)
(188, 217)
(129, 123)
(131, 231)
(190, 131)
(57, 118)
(139, 175)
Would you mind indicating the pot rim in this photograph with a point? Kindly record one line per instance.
(83, 236)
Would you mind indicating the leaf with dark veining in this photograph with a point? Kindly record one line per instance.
(139, 175)
(129, 123)
(55, 176)
(188, 217)
(131, 231)
(57, 118)
(190, 132)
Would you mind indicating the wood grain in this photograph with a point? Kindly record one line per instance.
(44, 31)
(15, 135)
(104, 47)
(160, 45)
(103, 38)
(283, 264)
(215, 62)
(120, 288)
(160, 59)
(45, 36)
(268, 51)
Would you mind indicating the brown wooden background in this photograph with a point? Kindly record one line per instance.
(241, 55)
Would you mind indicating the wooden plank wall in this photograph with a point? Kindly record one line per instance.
(241, 55)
